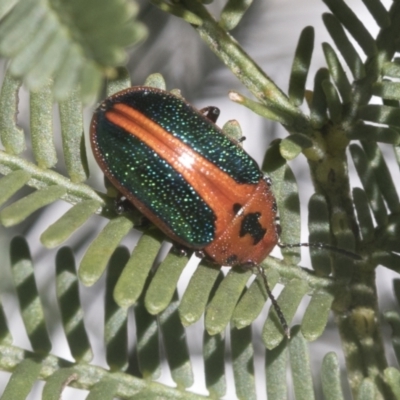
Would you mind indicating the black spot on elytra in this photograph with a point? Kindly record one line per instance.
(251, 225)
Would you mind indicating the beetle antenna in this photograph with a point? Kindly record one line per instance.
(319, 245)
(275, 304)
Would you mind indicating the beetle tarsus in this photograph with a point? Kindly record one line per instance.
(122, 204)
(179, 250)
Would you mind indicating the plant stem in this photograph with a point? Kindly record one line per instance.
(244, 67)
(86, 376)
(42, 178)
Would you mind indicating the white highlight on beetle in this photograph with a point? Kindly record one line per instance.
(186, 160)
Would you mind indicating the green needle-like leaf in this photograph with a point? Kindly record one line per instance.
(301, 65)
(288, 300)
(354, 26)
(369, 181)
(333, 101)
(23, 15)
(73, 137)
(74, 42)
(56, 383)
(5, 336)
(162, 286)
(156, 81)
(22, 209)
(363, 214)
(391, 69)
(285, 189)
(319, 105)
(91, 82)
(373, 133)
(106, 389)
(101, 249)
(67, 290)
(300, 366)
(318, 224)
(22, 380)
(316, 316)
(214, 364)
(387, 90)
(42, 127)
(393, 318)
(344, 45)
(380, 114)
(115, 318)
(6, 6)
(293, 145)
(265, 110)
(275, 369)
(133, 277)
(233, 130)
(243, 363)
(27, 291)
(367, 391)
(147, 341)
(179, 11)
(384, 178)
(233, 12)
(73, 219)
(378, 11)
(337, 73)
(253, 301)
(41, 38)
(392, 377)
(330, 377)
(176, 346)
(12, 137)
(220, 309)
(195, 298)
(10, 184)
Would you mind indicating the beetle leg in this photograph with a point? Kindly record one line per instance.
(259, 270)
(179, 250)
(200, 254)
(211, 112)
(122, 204)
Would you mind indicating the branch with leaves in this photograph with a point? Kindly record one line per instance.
(63, 52)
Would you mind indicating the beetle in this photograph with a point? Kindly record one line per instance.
(175, 165)
(185, 175)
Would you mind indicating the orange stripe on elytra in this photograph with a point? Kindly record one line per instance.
(216, 187)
